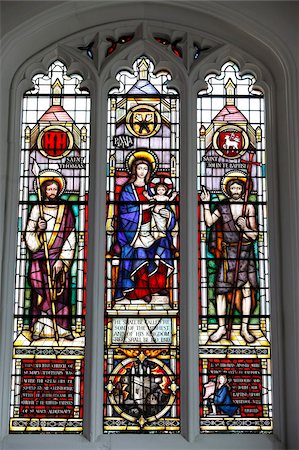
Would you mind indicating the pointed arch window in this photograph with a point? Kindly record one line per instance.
(141, 361)
(196, 54)
(50, 295)
(141, 358)
(142, 261)
(234, 301)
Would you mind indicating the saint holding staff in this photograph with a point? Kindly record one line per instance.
(234, 229)
(51, 240)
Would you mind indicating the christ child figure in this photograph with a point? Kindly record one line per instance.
(159, 224)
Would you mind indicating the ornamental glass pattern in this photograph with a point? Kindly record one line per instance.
(141, 367)
(234, 305)
(50, 300)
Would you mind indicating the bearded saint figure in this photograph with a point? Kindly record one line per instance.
(230, 224)
(55, 228)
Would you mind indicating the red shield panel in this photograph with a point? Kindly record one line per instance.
(230, 142)
(55, 143)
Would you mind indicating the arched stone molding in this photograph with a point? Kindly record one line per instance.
(161, 58)
(146, 31)
(75, 15)
(247, 63)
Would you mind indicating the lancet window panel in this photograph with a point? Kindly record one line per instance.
(234, 302)
(141, 367)
(51, 264)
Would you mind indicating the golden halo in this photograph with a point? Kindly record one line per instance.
(233, 175)
(146, 155)
(52, 175)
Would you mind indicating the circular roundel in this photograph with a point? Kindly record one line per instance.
(230, 141)
(142, 390)
(143, 121)
(55, 141)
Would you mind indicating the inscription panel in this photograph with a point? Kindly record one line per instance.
(47, 388)
(141, 331)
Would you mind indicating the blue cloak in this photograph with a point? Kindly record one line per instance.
(131, 259)
(223, 401)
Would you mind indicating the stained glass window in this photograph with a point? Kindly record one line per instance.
(49, 313)
(234, 322)
(142, 254)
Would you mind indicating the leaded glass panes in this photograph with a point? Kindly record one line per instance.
(234, 322)
(50, 301)
(142, 254)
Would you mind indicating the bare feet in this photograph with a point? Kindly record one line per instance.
(247, 336)
(219, 334)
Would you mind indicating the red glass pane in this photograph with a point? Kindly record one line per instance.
(55, 142)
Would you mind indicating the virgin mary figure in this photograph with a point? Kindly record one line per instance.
(145, 260)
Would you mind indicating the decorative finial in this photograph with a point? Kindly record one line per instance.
(143, 69)
(230, 92)
(27, 134)
(202, 130)
(258, 133)
(56, 90)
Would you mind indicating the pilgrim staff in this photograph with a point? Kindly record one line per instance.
(250, 163)
(36, 171)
